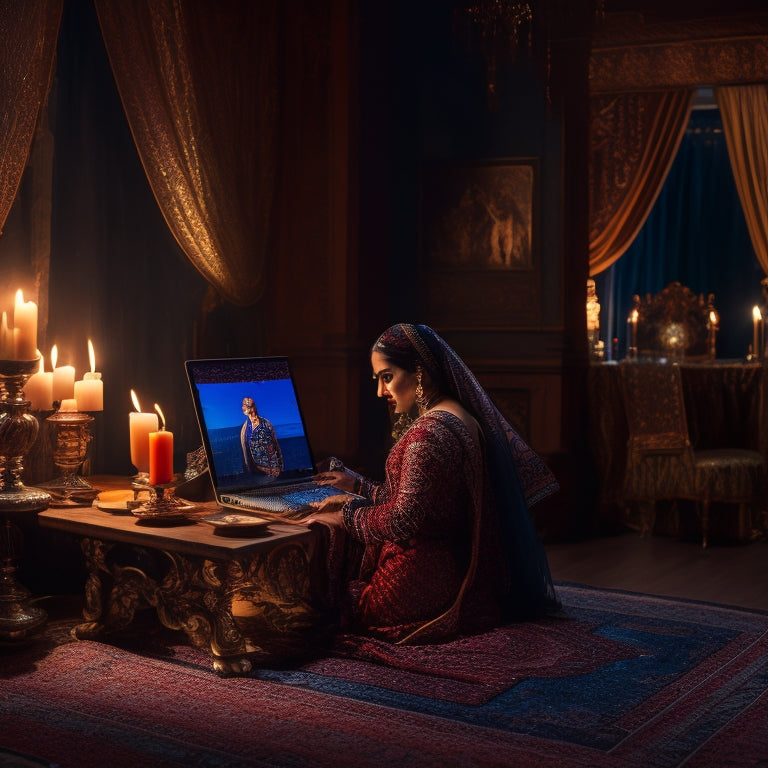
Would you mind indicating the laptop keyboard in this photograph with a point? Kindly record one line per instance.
(293, 505)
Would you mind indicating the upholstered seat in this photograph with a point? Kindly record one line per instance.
(662, 464)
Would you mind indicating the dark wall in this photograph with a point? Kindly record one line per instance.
(424, 101)
(375, 93)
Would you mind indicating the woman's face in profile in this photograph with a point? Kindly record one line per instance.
(396, 385)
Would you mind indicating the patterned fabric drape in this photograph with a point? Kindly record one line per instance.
(633, 140)
(199, 84)
(28, 31)
(744, 111)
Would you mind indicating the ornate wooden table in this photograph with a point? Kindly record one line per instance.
(226, 593)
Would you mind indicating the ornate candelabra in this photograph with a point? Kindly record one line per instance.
(18, 431)
(73, 434)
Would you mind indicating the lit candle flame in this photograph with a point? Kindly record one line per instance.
(160, 414)
(756, 313)
(635, 315)
(19, 297)
(135, 401)
(41, 368)
(91, 356)
(713, 318)
(54, 357)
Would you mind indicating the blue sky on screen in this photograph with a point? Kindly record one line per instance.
(275, 400)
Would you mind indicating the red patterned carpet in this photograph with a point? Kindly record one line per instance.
(619, 680)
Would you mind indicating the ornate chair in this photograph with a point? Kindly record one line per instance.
(675, 323)
(661, 463)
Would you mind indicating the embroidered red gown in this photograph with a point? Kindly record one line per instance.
(427, 531)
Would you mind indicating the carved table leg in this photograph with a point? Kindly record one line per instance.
(235, 608)
(95, 552)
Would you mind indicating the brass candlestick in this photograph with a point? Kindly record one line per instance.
(18, 432)
(163, 506)
(73, 435)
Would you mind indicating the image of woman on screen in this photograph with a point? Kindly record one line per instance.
(447, 540)
(261, 451)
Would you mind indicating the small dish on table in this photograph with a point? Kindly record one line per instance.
(236, 524)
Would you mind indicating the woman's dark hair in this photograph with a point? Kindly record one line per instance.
(394, 351)
(396, 345)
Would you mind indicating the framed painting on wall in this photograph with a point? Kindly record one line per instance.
(479, 242)
(480, 216)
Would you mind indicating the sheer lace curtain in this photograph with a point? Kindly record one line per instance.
(28, 30)
(199, 82)
(633, 140)
(744, 111)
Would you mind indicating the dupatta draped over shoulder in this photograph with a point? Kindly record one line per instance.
(436, 467)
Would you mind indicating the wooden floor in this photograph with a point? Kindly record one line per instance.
(730, 574)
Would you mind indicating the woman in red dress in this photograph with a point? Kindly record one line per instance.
(448, 542)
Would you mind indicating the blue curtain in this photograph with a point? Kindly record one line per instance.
(695, 234)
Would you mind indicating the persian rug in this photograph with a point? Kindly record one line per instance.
(618, 680)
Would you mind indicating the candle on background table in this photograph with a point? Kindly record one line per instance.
(140, 425)
(89, 391)
(6, 339)
(24, 328)
(160, 453)
(68, 405)
(39, 389)
(633, 329)
(63, 378)
(757, 321)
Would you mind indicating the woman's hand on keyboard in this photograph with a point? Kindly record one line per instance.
(329, 511)
(341, 479)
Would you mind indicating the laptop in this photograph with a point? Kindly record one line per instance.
(267, 468)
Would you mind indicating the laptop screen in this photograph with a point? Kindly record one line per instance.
(250, 422)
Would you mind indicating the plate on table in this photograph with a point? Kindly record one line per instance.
(119, 502)
(236, 524)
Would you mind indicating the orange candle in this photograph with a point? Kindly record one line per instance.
(160, 453)
(160, 457)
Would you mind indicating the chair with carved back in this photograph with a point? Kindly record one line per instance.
(675, 323)
(661, 462)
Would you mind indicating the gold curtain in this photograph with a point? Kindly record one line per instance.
(28, 31)
(633, 140)
(744, 109)
(199, 81)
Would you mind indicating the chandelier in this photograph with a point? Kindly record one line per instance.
(499, 23)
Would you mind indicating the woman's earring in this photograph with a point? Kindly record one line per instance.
(420, 399)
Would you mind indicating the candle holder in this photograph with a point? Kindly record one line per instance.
(18, 432)
(163, 506)
(73, 434)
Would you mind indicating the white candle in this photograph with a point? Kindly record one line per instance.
(39, 389)
(69, 405)
(63, 378)
(6, 339)
(89, 391)
(757, 320)
(140, 425)
(24, 328)
(634, 327)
